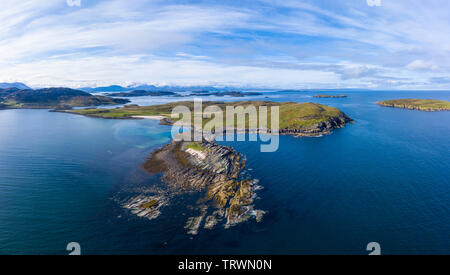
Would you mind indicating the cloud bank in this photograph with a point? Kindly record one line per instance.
(275, 44)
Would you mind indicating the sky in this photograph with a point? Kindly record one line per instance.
(289, 44)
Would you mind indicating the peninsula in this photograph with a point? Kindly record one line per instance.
(52, 98)
(429, 105)
(298, 119)
(229, 93)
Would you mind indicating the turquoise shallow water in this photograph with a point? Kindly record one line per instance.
(385, 178)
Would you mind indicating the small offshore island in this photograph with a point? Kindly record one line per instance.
(429, 105)
(200, 167)
(330, 96)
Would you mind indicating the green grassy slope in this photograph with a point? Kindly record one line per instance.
(417, 104)
(292, 115)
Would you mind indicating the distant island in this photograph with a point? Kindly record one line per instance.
(330, 96)
(52, 98)
(417, 104)
(298, 119)
(118, 88)
(230, 93)
(138, 93)
(200, 167)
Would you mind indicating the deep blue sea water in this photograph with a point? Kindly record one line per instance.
(385, 178)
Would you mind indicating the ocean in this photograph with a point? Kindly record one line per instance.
(384, 178)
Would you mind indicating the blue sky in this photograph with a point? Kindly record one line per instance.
(401, 44)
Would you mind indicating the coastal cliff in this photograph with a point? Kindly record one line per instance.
(320, 128)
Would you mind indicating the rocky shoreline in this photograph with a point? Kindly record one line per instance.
(206, 168)
(412, 107)
(314, 130)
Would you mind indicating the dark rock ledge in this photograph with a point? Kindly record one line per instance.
(204, 167)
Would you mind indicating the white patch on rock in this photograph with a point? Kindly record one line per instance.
(196, 153)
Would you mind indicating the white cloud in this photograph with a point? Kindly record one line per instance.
(357, 71)
(374, 3)
(74, 3)
(247, 42)
(165, 27)
(129, 69)
(422, 65)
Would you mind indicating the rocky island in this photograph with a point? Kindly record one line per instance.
(138, 93)
(298, 119)
(206, 168)
(429, 105)
(52, 98)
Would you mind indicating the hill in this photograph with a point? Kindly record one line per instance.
(300, 119)
(417, 104)
(53, 98)
(17, 85)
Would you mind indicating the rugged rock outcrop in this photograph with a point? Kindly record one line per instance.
(210, 168)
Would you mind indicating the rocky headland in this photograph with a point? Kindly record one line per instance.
(205, 168)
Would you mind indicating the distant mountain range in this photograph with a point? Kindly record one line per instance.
(229, 93)
(321, 90)
(193, 89)
(17, 85)
(118, 88)
(137, 93)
